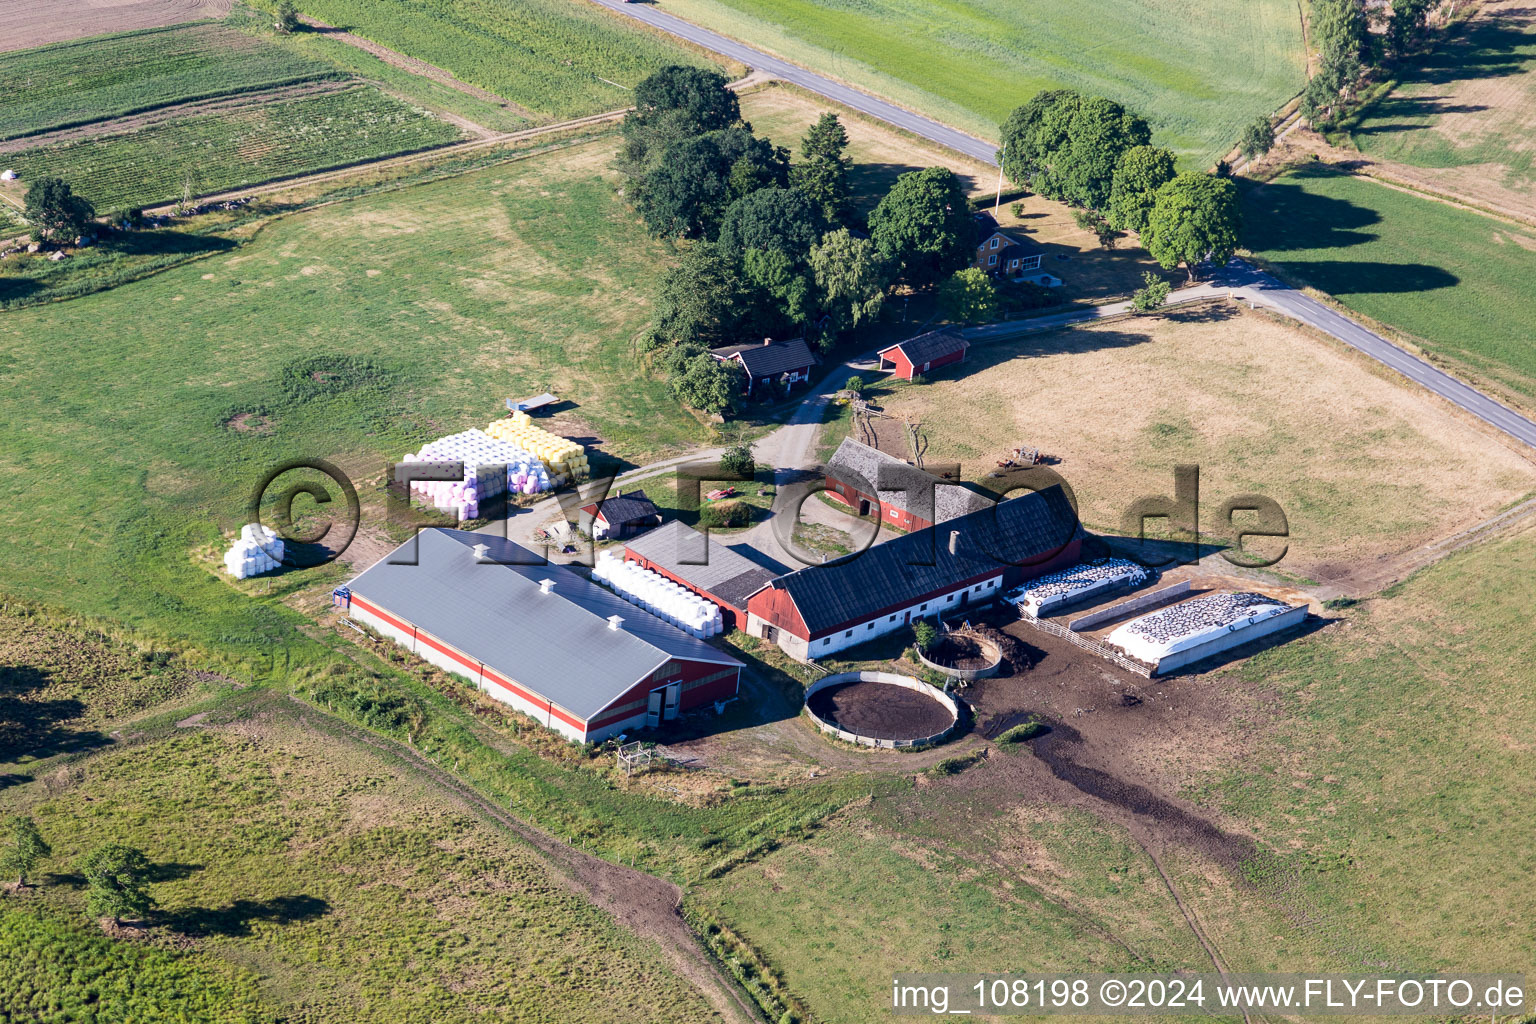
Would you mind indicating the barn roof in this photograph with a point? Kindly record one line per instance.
(927, 347)
(493, 611)
(1028, 529)
(905, 486)
(678, 549)
(765, 360)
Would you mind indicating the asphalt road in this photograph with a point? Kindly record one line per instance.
(863, 102)
(1264, 288)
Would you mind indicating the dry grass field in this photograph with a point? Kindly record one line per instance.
(1464, 123)
(27, 23)
(1365, 467)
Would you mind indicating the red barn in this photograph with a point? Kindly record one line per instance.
(868, 480)
(707, 568)
(552, 644)
(967, 562)
(923, 353)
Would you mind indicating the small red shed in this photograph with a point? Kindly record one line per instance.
(924, 353)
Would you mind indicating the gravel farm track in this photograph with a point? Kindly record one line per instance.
(28, 23)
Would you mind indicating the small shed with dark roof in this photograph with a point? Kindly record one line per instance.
(771, 362)
(924, 353)
(706, 567)
(537, 636)
(619, 515)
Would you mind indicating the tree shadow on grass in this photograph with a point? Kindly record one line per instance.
(1367, 277)
(1284, 215)
(236, 918)
(36, 728)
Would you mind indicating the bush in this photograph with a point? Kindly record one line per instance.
(923, 634)
(726, 514)
(1152, 294)
(854, 384)
(1017, 209)
(956, 765)
(1021, 732)
(739, 461)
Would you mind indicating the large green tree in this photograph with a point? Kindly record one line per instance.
(924, 225)
(707, 384)
(116, 879)
(688, 191)
(822, 173)
(1065, 145)
(1196, 217)
(704, 299)
(969, 297)
(786, 282)
(1141, 172)
(850, 276)
(55, 212)
(1033, 132)
(674, 103)
(23, 848)
(780, 219)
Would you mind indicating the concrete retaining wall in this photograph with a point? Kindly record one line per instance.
(879, 677)
(1136, 604)
(969, 675)
(1227, 641)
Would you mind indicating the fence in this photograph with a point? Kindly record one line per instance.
(891, 679)
(1092, 646)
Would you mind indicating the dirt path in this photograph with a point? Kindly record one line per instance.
(397, 59)
(134, 122)
(645, 904)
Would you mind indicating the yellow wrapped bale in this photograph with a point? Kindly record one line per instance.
(560, 455)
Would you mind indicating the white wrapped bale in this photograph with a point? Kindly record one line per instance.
(491, 467)
(658, 595)
(258, 550)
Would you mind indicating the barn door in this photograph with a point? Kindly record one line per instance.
(674, 701)
(653, 710)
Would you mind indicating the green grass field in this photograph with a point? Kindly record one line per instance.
(330, 884)
(96, 79)
(557, 58)
(517, 279)
(1199, 73)
(1457, 281)
(238, 147)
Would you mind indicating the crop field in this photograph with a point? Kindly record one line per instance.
(1356, 460)
(1198, 72)
(316, 879)
(237, 147)
(557, 58)
(97, 79)
(1463, 121)
(1456, 281)
(26, 23)
(426, 307)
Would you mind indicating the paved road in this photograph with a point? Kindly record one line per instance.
(1257, 285)
(863, 102)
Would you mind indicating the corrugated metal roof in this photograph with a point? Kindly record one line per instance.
(1029, 528)
(727, 574)
(906, 487)
(558, 644)
(927, 347)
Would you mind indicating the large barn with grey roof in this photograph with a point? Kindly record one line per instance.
(578, 658)
(967, 561)
(869, 480)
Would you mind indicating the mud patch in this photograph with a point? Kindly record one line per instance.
(881, 710)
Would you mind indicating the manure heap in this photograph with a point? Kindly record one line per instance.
(1189, 624)
(1041, 595)
(658, 595)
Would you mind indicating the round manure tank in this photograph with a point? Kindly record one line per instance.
(881, 709)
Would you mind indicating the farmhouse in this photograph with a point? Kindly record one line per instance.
(707, 568)
(867, 479)
(967, 562)
(619, 515)
(534, 635)
(907, 359)
(998, 252)
(771, 362)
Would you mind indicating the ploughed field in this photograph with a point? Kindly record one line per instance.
(1198, 72)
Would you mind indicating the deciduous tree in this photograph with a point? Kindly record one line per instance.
(1151, 295)
(24, 848)
(1141, 172)
(116, 877)
(924, 225)
(850, 276)
(671, 104)
(703, 299)
(969, 297)
(779, 219)
(55, 212)
(1258, 139)
(1196, 218)
(708, 384)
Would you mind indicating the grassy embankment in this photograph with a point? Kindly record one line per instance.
(1456, 281)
